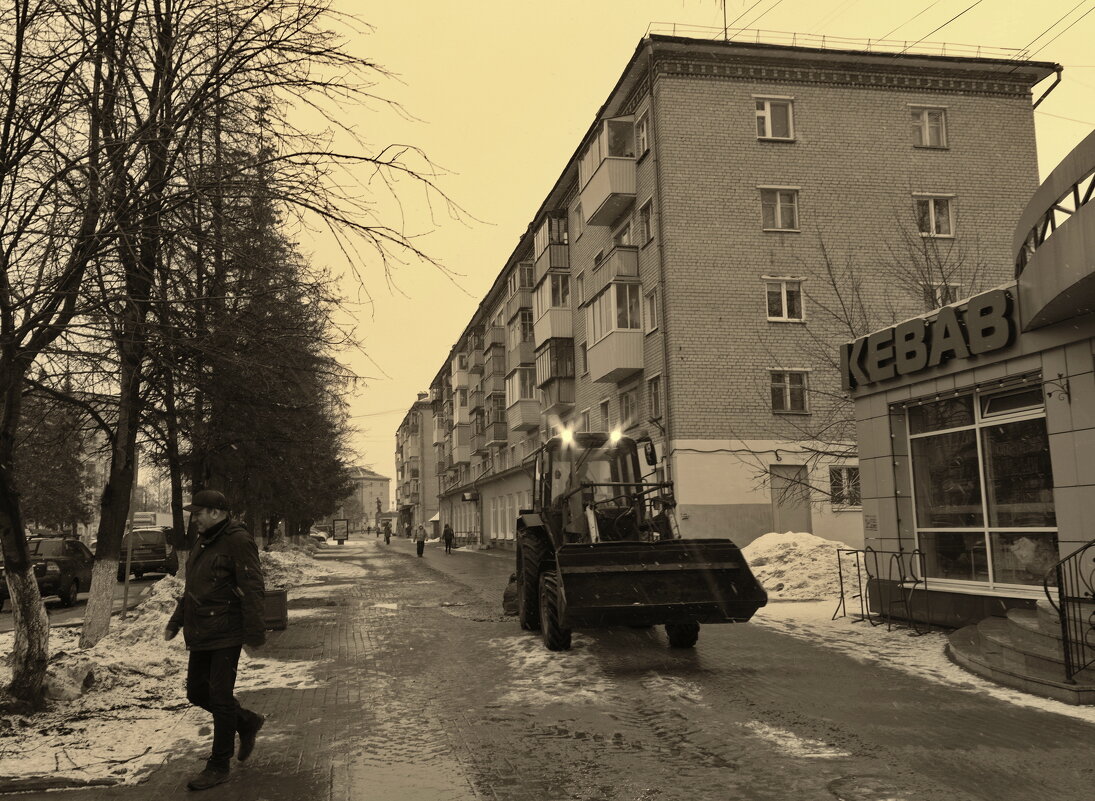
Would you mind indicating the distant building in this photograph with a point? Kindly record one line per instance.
(683, 278)
(416, 473)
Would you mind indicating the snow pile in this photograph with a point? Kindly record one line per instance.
(795, 566)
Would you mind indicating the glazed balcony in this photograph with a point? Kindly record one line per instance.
(556, 256)
(522, 354)
(461, 443)
(475, 400)
(524, 415)
(475, 361)
(610, 190)
(557, 395)
(557, 323)
(521, 299)
(493, 382)
(496, 433)
(495, 363)
(620, 262)
(615, 357)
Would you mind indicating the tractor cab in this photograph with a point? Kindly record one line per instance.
(590, 488)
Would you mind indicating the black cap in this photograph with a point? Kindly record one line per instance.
(207, 499)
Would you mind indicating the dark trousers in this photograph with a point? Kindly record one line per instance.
(210, 684)
(448, 546)
(421, 546)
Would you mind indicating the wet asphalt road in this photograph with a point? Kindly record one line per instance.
(428, 693)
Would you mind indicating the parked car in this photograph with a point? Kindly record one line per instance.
(151, 553)
(62, 567)
(319, 537)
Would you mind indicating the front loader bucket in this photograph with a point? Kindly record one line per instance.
(645, 583)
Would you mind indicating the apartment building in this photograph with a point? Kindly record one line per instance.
(416, 490)
(735, 211)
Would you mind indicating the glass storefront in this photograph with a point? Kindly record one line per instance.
(983, 487)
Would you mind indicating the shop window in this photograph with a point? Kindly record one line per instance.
(983, 487)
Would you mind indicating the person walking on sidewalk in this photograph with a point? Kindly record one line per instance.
(387, 533)
(220, 611)
(420, 539)
(448, 535)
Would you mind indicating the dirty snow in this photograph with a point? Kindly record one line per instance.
(120, 708)
(795, 565)
(539, 677)
(791, 744)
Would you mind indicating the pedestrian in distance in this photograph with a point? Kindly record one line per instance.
(220, 611)
(448, 535)
(387, 533)
(420, 539)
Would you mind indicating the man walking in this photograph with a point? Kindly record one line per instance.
(420, 539)
(448, 535)
(221, 610)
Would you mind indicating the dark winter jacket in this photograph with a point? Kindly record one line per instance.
(222, 603)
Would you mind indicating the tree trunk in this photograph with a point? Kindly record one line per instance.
(30, 651)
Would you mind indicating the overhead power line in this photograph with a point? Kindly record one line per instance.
(1062, 33)
(910, 19)
(941, 27)
(1054, 25)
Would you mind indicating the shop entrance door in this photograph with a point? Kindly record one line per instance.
(790, 498)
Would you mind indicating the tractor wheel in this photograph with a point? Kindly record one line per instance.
(556, 638)
(533, 552)
(68, 598)
(682, 635)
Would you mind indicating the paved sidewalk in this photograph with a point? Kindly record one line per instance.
(333, 737)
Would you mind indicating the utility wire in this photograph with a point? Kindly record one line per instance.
(742, 14)
(1062, 33)
(1054, 25)
(914, 16)
(756, 19)
(941, 27)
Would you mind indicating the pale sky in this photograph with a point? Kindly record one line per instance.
(502, 90)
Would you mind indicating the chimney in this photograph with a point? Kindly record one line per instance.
(423, 395)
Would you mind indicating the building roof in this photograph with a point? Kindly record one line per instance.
(364, 473)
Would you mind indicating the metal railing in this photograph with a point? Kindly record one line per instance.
(1075, 606)
(821, 41)
(903, 569)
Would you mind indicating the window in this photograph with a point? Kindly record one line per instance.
(654, 388)
(553, 231)
(622, 235)
(983, 487)
(789, 391)
(940, 294)
(606, 419)
(844, 486)
(775, 118)
(779, 209)
(929, 126)
(584, 361)
(784, 300)
(934, 216)
(646, 228)
(627, 408)
(615, 309)
(524, 318)
(521, 385)
(555, 361)
(580, 288)
(462, 361)
(579, 226)
(462, 397)
(651, 310)
(560, 290)
(642, 134)
(583, 420)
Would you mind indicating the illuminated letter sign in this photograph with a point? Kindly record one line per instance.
(986, 324)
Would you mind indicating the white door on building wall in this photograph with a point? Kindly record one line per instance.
(790, 498)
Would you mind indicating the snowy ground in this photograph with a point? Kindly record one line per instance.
(121, 707)
(133, 711)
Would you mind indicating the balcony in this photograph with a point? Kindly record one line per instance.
(615, 357)
(496, 335)
(522, 354)
(558, 395)
(553, 324)
(555, 257)
(459, 378)
(610, 191)
(475, 361)
(478, 443)
(524, 415)
(494, 382)
(495, 363)
(621, 262)
(521, 299)
(496, 433)
(441, 431)
(475, 400)
(461, 443)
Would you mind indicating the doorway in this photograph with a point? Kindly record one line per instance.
(790, 498)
